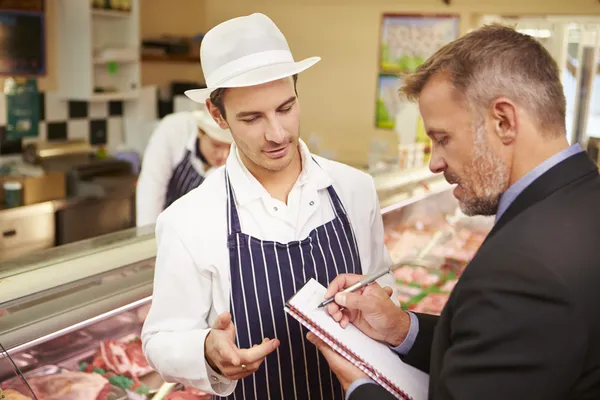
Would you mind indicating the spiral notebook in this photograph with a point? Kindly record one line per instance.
(375, 359)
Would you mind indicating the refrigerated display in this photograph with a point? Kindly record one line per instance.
(410, 226)
(71, 316)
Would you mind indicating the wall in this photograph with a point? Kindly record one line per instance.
(338, 94)
(179, 18)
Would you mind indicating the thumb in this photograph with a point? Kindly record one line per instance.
(222, 321)
(355, 301)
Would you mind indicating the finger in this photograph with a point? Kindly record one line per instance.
(375, 290)
(354, 301)
(320, 344)
(389, 291)
(222, 321)
(228, 353)
(332, 308)
(345, 321)
(259, 352)
(340, 283)
(337, 317)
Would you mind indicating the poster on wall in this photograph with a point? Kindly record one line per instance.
(22, 108)
(22, 38)
(406, 42)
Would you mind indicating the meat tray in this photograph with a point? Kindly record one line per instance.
(116, 393)
(72, 341)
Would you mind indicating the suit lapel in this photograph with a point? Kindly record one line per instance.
(565, 172)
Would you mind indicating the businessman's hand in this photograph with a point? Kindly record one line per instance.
(370, 309)
(345, 371)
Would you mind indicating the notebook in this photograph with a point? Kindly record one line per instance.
(375, 359)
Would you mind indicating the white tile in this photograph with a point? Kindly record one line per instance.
(98, 109)
(43, 132)
(114, 134)
(3, 118)
(78, 129)
(57, 110)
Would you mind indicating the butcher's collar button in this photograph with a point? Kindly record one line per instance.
(274, 208)
(215, 379)
(312, 203)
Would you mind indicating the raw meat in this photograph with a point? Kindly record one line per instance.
(449, 285)
(187, 395)
(433, 303)
(405, 293)
(122, 358)
(67, 386)
(10, 394)
(418, 275)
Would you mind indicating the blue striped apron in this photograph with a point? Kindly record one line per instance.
(184, 178)
(264, 274)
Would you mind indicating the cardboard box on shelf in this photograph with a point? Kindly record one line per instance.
(50, 186)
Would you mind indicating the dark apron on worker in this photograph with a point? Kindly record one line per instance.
(264, 275)
(184, 178)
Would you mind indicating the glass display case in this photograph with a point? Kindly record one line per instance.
(68, 313)
(71, 316)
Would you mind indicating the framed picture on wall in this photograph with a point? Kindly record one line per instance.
(22, 38)
(406, 42)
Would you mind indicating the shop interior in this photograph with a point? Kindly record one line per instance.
(95, 79)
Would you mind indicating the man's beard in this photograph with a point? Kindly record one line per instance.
(486, 178)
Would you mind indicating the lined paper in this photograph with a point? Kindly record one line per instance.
(379, 361)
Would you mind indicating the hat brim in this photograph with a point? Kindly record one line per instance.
(255, 77)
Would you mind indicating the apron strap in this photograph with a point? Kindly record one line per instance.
(233, 219)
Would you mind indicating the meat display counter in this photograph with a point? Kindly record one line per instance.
(415, 209)
(71, 316)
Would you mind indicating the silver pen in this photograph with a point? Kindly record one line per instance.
(437, 238)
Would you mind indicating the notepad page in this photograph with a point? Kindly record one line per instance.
(409, 379)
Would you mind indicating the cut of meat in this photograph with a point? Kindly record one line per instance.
(449, 285)
(10, 394)
(187, 395)
(433, 303)
(419, 275)
(123, 358)
(67, 386)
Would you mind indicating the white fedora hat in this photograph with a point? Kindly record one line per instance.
(245, 51)
(208, 125)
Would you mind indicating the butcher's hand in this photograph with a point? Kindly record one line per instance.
(224, 356)
(370, 309)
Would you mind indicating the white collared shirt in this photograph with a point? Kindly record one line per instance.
(192, 286)
(173, 137)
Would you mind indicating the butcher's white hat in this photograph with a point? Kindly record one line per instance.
(245, 51)
(208, 125)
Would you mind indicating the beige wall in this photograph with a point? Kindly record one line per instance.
(338, 94)
(177, 17)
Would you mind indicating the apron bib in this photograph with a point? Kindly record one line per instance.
(184, 179)
(264, 275)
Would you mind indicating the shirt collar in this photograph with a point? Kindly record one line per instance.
(247, 188)
(519, 186)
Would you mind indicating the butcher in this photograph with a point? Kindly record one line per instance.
(234, 250)
(184, 148)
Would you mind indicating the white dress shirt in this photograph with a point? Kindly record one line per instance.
(192, 284)
(174, 135)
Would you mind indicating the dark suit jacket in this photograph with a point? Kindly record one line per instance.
(523, 322)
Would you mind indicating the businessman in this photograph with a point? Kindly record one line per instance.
(523, 322)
